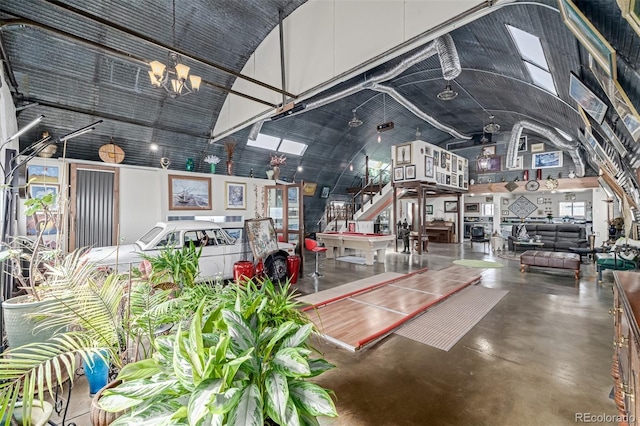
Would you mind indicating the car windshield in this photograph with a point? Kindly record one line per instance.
(149, 236)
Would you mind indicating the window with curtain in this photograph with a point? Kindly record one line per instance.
(572, 208)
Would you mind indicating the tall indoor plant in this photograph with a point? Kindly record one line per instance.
(245, 363)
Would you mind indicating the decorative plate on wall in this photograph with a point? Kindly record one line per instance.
(532, 185)
(111, 153)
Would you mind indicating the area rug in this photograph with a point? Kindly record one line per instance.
(351, 259)
(509, 255)
(444, 325)
(471, 263)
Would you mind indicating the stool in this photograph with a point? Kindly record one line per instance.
(312, 245)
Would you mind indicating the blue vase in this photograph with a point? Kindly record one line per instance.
(190, 165)
(97, 372)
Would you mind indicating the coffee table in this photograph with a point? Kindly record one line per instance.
(526, 244)
(582, 251)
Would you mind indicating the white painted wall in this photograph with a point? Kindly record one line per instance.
(144, 197)
(332, 40)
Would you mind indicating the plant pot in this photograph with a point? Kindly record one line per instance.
(97, 415)
(276, 172)
(40, 414)
(97, 372)
(19, 328)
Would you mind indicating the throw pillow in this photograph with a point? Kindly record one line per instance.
(522, 233)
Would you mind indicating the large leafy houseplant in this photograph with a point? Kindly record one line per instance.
(245, 363)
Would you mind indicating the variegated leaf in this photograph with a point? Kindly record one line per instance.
(298, 338)
(291, 363)
(200, 398)
(312, 398)
(319, 366)
(277, 395)
(139, 370)
(248, 411)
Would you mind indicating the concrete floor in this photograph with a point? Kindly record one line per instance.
(541, 356)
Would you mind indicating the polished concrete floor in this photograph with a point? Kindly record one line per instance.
(542, 356)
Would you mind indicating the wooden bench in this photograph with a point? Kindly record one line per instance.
(551, 259)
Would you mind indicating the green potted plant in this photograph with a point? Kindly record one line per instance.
(245, 363)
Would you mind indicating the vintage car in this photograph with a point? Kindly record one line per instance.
(219, 249)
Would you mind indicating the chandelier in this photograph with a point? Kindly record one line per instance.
(491, 127)
(174, 76)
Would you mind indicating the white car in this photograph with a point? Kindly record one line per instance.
(219, 249)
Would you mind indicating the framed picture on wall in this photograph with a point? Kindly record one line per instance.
(450, 206)
(522, 143)
(587, 99)
(325, 192)
(403, 154)
(519, 163)
(42, 174)
(236, 195)
(309, 189)
(472, 207)
(537, 147)
(398, 173)
(505, 212)
(410, 172)
(428, 167)
(428, 209)
(546, 160)
(189, 193)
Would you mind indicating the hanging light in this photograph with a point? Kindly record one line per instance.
(492, 127)
(351, 167)
(448, 93)
(174, 76)
(355, 121)
(483, 159)
(379, 137)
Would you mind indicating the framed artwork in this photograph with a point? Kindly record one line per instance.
(436, 157)
(450, 206)
(505, 212)
(472, 207)
(489, 150)
(325, 192)
(428, 209)
(609, 133)
(631, 12)
(443, 160)
(398, 173)
(42, 174)
(36, 222)
(262, 237)
(403, 154)
(540, 200)
(522, 143)
(410, 172)
(447, 180)
(585, 119)
(427, 151)
(519, 165)
(235, 195)
(189, 193)
(505, 201)
(39, 191)
(537, 147)
(454, 163)
(587, 99)
(428, 167)
(460, 181)
(546, 160)
(494, 164)
(309, 189)
(292, 194)
(618, 97)
(603, 53)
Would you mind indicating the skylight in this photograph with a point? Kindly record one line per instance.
(273, 143)
(292, 147)
(265, 142)
(532, 54)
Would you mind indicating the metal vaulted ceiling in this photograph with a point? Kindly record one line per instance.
(75, 84)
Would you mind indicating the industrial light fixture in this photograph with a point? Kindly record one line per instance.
(483, 157)
(81, 131)
(355, 121)
(448, 93)
(153, 147)
(174, 76)
(23, 130)
(492, 127)
(299, 169)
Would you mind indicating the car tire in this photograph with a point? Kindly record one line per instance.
(276, 267)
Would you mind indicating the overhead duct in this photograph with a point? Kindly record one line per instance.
(554, 138)
(443, 46)
(417, 111)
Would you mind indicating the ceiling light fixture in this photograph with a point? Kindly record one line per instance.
(492, 127)
(355, 121)
(153, 147)
(174, 77)
(379, 138)
(448, 93)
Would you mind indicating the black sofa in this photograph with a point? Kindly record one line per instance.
(555, 236)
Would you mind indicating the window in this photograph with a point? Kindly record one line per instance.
(274, 143)
(487, 209)
(572, 208)
(532, 54)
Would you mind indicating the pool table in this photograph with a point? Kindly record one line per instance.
(368, 243)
